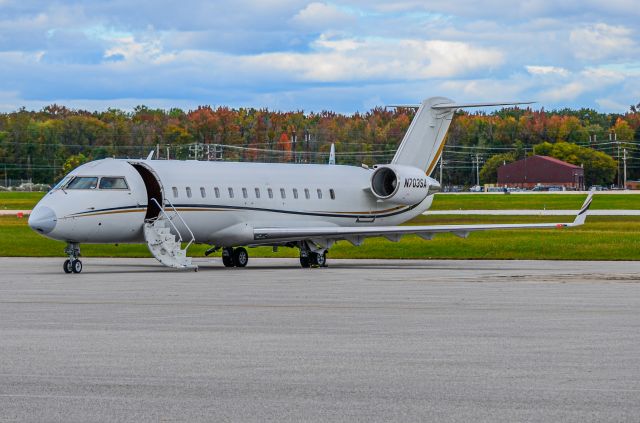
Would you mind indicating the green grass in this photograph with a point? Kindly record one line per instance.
(602, 238)
(533, 201)
(26, 201)
(19, 200)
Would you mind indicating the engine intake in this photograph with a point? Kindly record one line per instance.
(401, 184)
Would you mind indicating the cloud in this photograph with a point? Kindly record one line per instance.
(546, 70)
(601, 41)
(363, 60)
(321, 16)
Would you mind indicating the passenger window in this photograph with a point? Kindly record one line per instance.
(244, 193)
(113, 183)
(332, 194)
(217, 192)
(270, 192)
(83, 182)
(306, 193)
(230, 192)
(295, 193)
(282, 194)
(319, 194)
(175, 192)
(189, 192)
(257, 192)
(203, 192)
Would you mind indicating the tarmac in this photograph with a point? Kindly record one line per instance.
(361, 340)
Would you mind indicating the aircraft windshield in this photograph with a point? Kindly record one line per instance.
(113, 183)
(83, 182)
(61, 183)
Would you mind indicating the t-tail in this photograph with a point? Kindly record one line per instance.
(422, 145)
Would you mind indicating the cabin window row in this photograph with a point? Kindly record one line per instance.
(257, 193)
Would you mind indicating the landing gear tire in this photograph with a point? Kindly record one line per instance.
(319, 259)
(76, 266)
(305, 262)
(227, 257)
(67, 266)
(240, 257)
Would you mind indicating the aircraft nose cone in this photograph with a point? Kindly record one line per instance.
(42, 219)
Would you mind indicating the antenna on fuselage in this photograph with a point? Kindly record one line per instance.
(332, 155)
(150, 156)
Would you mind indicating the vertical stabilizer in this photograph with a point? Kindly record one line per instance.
(422, 145)
(332, 155)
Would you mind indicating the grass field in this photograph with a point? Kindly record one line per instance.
(602, 238)
(19, 200)
(534, 201)
(26, 201)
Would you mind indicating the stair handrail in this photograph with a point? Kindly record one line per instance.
(167, 217)
(193, 238)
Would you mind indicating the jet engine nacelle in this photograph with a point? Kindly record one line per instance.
(401, 184)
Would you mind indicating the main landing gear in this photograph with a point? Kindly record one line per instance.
(72, 264)
(313, 259)
(235, 257)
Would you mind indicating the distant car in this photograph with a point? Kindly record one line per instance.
(596, 188)
(475, 188)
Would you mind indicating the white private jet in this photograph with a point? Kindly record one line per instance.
(232, 205)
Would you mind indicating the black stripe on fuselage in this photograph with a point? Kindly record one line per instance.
(214, 207)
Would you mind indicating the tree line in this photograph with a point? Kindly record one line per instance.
(42, 145)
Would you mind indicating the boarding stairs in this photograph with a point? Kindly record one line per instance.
(163, 244)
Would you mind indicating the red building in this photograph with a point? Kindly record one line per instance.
(541, 170)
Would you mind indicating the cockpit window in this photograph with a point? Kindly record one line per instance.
(83, 182)
(113, 183)
(62, 183)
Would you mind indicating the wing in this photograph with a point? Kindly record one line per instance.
(356, 234)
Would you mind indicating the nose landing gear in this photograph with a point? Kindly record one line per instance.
(72, 264)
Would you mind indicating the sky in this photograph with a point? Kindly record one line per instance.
(312, 55)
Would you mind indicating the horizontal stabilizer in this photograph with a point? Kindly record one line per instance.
(404, 106)
(465, 105)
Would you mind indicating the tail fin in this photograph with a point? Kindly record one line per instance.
(422, 145)
(332, 155)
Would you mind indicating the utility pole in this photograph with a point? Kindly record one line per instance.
(625, 169)
(307, 138)
(294, 139)
(477, 169)
(613, 137)
(476, 161)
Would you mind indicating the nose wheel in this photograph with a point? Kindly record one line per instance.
(72, 264)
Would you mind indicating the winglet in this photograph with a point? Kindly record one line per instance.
(582, 214)
(150, 156)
